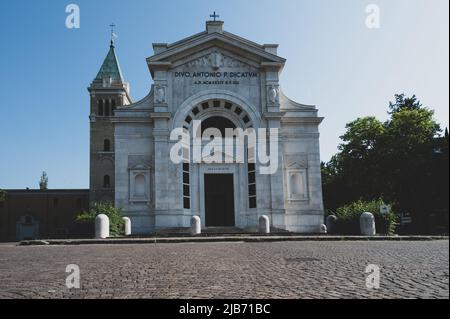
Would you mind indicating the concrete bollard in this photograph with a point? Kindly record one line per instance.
(101, 226)
(323, 229)
(331, 224)
(127, 226)
(196, 226)
(264, 224)
(367, 224)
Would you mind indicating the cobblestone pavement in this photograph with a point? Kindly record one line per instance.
(228, 270)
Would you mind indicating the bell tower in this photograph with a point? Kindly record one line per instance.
(107, 92)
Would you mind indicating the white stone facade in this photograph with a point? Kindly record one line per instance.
(156, 193)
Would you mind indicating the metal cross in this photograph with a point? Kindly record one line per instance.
(112, 27)
(214, 15)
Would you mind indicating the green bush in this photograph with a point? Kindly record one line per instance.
(116, 223)
(349, 215)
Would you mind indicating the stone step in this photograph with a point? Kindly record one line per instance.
(215, 231)
(223, 230)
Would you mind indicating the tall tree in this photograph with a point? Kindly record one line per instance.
(404, 103)
(43, 182)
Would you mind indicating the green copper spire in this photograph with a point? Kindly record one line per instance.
(110, 68)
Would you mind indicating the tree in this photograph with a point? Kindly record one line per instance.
(395, 160)
(404, 103)
(348, 176)
(43, 183)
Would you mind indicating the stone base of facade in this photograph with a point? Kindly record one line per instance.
(147, 223)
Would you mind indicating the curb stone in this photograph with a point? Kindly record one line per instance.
(248, 239)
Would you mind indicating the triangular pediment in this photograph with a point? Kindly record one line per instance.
(238, 49)
(215, 58)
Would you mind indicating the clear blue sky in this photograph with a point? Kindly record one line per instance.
(334, 62)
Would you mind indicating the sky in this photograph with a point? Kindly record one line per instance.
(333, 61)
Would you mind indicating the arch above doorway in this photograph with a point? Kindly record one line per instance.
(218, 114)
(237, 102)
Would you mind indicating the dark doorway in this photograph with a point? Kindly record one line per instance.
(219, 200)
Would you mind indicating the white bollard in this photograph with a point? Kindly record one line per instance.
(367, 224)
(323, 229)
(196, 226)
(127, 226)
(264, 224)
(331, 224)
(101, 226)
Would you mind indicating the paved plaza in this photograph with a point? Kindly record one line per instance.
(228, 270)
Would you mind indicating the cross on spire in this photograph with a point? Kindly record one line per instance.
(214, 16)
(113, 35)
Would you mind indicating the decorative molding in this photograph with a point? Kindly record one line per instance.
(139, 162)
(225, 39)
(106, 156)
(160, 115)
(297, 184)
(216, 60)
(160, 94)
(296, 161)
(302, 120)
(273, 95)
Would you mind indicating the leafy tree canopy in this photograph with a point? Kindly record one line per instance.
(402, 160)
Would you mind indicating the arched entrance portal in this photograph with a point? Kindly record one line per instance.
(216, 191)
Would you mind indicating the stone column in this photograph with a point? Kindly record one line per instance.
(276, 179)
(161, 165)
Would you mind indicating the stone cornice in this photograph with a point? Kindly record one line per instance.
(302, 120)
(273, 115)
(132, 120)
(160, 115)
(272, 66)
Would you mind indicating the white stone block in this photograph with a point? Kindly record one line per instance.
(101, 226)
(367, 224)
(127, 226)
(323, 229)
(264, 224)
(196, 226)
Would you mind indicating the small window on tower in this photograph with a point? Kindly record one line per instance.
(106, 181)
(100, 107)
(107, 108)
(107, 145)
(113, 106)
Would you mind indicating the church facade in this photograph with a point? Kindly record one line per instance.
(222, 81)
